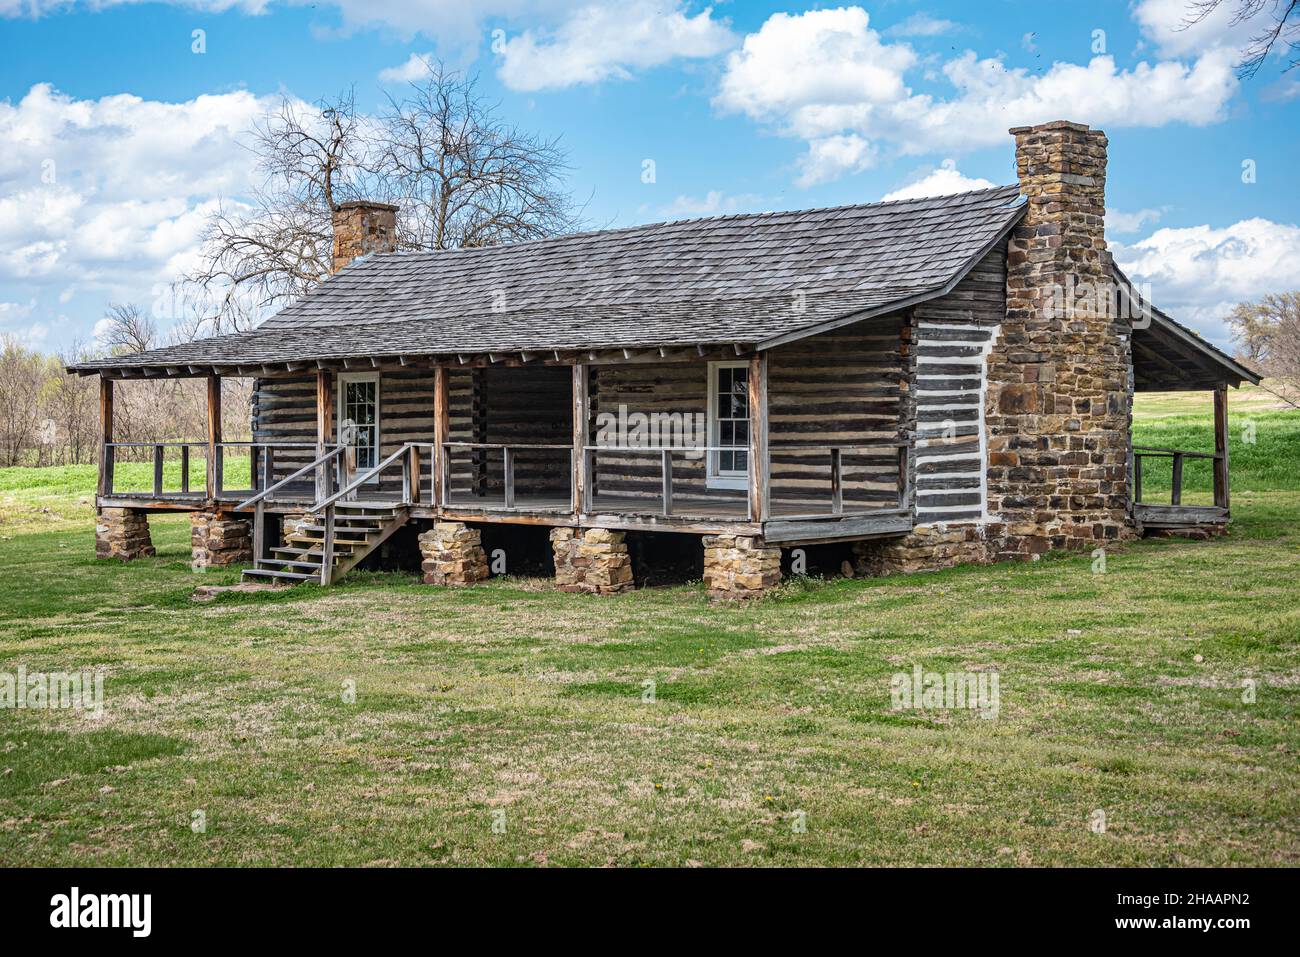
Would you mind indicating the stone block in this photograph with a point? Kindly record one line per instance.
(123, 534)
(452, 554)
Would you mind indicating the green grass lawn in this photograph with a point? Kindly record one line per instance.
(512, 703)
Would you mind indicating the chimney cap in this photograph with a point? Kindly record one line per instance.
(364, 204)
(1054, 125)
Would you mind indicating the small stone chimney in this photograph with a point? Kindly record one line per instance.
(1059, 406)
(362, 227)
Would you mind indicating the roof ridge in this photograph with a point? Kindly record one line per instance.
(402, 253)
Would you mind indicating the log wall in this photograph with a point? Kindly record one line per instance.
(954, 336)
(851, 386)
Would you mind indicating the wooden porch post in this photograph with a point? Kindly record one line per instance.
(1221, 446)
(759, 490)
(441, 432)
(214, 436)
(105, 436)
(324, 427)
(580, 482)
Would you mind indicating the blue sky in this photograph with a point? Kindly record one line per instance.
(119, 139)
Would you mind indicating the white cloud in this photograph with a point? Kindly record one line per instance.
(1198, 273)
(454, 26)
(944, 181)
(1118, 221)
(713, 203)
(921, 25)
(828, 78)
(830, 157)
(12, 312)
(109, 197)
(415, 68)
(609, 41)
(1169, 25)
(568, 42)
(101, 330)
(1281, 90)
(15, 323)
(1027, 43)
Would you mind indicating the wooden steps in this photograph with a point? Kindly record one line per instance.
(359, 528)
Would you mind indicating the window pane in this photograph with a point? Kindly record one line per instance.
(742, 432)
(726, 432)
(725, 461)
(738, 460)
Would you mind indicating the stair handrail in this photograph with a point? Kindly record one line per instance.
(315, 464)
(361, 479)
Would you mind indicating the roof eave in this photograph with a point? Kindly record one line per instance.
(904, 303)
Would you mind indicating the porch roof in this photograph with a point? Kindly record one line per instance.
(749, 280)
(1169, 356)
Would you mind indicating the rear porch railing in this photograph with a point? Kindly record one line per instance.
(1178, 457)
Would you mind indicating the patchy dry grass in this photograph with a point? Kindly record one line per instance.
(1119, 691)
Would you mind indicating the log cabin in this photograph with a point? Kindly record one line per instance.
(927, 382)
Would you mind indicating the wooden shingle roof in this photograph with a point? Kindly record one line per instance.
(754, 279)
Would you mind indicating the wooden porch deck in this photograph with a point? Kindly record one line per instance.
(789, 523)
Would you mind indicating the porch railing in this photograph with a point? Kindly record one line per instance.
(261, 464)
(336, 483)
(109, 461)
(329, 464)
(1178, 457)
(665, 455)
(836, 453)
(509, 460)
(409, 458)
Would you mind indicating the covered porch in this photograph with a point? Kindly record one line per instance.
(1169, 358)
(729, 439)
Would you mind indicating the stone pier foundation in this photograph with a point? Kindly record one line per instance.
(596, 560)
(452, 554)
(928, 548)
(218, 539)
(122, 533)
(740, 566)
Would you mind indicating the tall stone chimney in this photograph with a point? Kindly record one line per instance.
(1059, 407)
(362, 227)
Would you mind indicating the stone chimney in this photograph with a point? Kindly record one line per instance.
(362, 227)
(1059, 406)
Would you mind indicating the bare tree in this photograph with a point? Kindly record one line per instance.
(464, 177)
(20, 388)
(1279, 29)
(461, 175)
(1268, 332)
(273, 248)
(72, 403)
(127, 329)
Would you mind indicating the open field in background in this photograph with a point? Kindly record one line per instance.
(1119, 692)
(1263, 450)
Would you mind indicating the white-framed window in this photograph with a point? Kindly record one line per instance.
(358, 418)
(728, 424)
